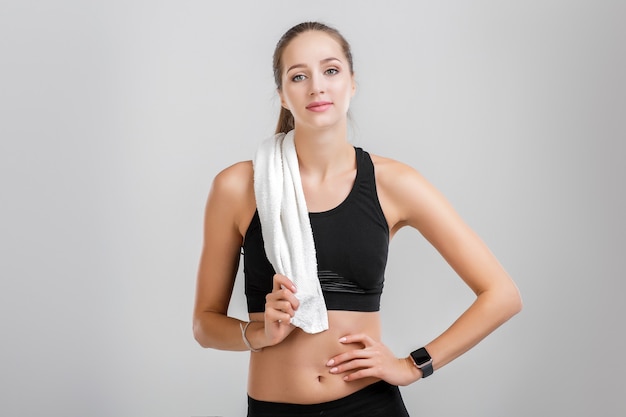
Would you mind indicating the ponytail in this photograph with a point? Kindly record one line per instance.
(285, 121)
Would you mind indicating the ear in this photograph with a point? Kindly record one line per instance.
(353, 87)
(283, 103)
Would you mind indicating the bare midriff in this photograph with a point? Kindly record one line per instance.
(295, 371)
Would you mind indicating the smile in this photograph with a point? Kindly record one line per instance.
(319, 106)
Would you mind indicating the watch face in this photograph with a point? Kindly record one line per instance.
(420, 356)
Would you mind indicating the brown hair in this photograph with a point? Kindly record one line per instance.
(285, 119)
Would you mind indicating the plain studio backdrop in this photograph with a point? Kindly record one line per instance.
(116, 115)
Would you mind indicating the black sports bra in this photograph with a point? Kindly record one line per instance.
(351, 243)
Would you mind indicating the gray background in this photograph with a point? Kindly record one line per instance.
(116, 115)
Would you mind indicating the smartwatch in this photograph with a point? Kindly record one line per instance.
(423, 361)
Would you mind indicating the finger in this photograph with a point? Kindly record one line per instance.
(283, 295)
(362, 338)
(360, 374)
(283, 306)
(281, 281)
(349, 356)
(277, 316)
(351, 365)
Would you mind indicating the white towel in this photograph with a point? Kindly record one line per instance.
(286, 227)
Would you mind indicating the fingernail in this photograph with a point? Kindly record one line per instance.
(293, 288)
(342, 340)
(330, 362)
(333, 370)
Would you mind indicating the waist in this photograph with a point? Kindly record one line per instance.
(380, 396)
(295, 371)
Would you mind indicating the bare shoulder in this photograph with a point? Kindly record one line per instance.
(395, 176)
(231, 199)
(384, 164)
(235, 173)
(406, 196)
(235, 181)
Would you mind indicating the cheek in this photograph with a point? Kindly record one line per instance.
(291, 92)
(347, 92)
(345, 87)
(286, 96)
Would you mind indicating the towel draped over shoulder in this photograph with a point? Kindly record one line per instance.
(286, 227)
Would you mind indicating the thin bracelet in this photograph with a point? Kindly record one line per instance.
(245, 339)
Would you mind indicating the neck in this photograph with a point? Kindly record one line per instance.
(323, 152)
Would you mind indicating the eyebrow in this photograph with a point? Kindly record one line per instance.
(323, 61)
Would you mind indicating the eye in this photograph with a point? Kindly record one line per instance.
(331, 71)
(298, 78)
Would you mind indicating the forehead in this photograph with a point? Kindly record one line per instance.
(311, 47)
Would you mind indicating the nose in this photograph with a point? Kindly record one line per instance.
(317, 85)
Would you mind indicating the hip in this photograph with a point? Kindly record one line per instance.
(379, 399)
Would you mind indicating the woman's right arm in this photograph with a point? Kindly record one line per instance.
(229, 210)
(229, 205)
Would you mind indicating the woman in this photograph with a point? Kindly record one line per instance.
(357, 203)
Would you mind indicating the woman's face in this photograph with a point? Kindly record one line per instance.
(317, 83)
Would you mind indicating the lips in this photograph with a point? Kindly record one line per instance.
(319, 106)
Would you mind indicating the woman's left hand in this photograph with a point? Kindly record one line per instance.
(373, 360)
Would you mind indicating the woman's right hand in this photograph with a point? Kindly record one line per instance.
(280, 306)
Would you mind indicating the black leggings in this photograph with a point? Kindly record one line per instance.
(379, 399)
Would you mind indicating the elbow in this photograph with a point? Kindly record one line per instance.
(520, 303)
(514, 303)
(505, 301)
(199, 335)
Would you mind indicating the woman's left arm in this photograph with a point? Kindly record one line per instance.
(424, 208)
(408, 199)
